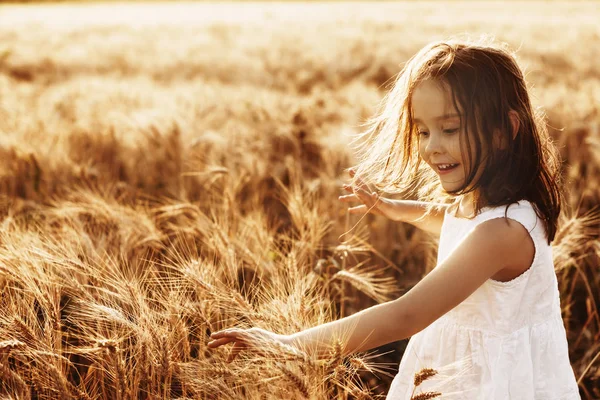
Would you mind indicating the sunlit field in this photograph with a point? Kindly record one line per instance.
(170, 170)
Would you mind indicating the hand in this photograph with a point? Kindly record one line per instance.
(253, 338)
(372, 202)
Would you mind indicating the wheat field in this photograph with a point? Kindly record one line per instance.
(168, 170)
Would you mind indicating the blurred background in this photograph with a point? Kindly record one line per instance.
(169, 169)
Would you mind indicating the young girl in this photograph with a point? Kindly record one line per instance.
(460, 123)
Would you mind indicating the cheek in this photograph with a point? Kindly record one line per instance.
(466, 147)
(457, 151)
(421, 149)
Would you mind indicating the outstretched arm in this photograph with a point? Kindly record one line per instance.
(413, 212)
(493, 246)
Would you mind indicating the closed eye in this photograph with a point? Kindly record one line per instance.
(423, 133)
(451, 131)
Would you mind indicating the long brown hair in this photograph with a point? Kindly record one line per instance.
(486, 84)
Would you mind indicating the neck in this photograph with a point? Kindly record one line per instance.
(466, 205)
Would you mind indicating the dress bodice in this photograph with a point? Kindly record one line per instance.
(504, 307)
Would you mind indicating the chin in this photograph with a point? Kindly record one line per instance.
(451, 188)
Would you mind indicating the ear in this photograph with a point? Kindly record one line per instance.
(514, 122)
(499, 140)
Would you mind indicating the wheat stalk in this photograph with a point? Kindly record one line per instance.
(61, 383)
(361, 394)
(9, 374)
(296, 380)
(367, 281)
(426, 396)
(420, 377)
(336, 355)
(112, 351)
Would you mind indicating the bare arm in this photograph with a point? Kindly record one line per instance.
(414, 212)
(491, 247)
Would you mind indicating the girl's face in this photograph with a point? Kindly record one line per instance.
(438, 124)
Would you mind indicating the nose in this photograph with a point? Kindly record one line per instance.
(434, 144)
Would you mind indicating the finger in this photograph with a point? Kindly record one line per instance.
(361, 189)
(369, 199)
(348, 188)
(358, 209)
(352, 172)
(219, 342)
(362, 184)
(224, 332)
(348, 197)
(365, 196)
(219, 334)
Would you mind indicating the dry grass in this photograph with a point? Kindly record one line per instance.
(167, 171)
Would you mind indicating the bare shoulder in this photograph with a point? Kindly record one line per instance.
(501, 227)
(509, 239)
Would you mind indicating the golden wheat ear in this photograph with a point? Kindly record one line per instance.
(426, 396)
(423, 375)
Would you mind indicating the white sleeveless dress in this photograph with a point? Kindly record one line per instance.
(505, 341)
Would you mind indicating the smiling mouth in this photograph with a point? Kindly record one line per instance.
(446, 167)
